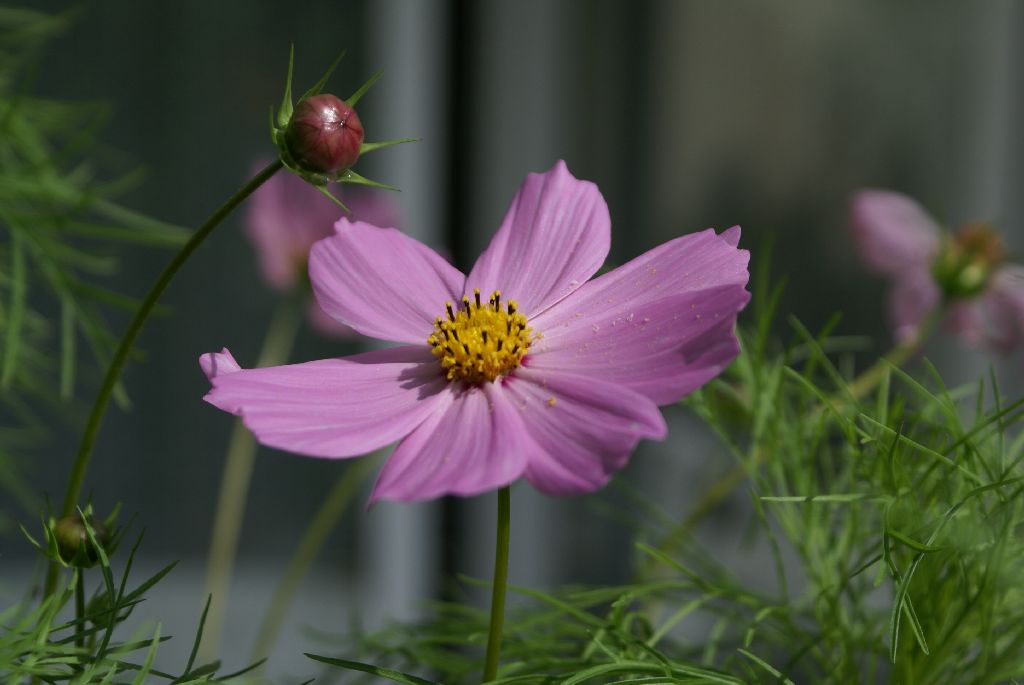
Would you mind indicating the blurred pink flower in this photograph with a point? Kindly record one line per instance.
(964, 272)
(523, 368)
(286, 216)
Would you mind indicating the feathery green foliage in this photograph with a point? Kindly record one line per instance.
(40, 643)
(59, 231)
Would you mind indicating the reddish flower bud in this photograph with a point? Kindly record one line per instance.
(73, 540)
(324, 134)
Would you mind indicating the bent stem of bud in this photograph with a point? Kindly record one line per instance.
(127, 342)
(234, 484)
(855, 391)
(498, 587)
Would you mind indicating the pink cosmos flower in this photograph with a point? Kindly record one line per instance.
(523, 368)
(965, 272)
(286, 216)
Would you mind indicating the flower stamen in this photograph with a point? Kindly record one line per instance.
(491, 341)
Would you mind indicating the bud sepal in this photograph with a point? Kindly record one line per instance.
(321, 136)
(80, 540)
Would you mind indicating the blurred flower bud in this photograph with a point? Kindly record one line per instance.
(324, 134)
(73, 540)
(967, 260)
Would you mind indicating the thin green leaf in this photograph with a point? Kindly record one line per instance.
(765, 665)
(386, 673)
(924, 450)
(150, 658)
(326, 192)
(349, 176)
(834, 498)
(284, 112)
(67, 348)
(361, 91)
(912, 543)
(319, 85)
(15, 309)
(371, 147)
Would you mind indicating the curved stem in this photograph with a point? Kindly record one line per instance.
(117, 362)
(313, 539)
(234, 484)
(499, 586)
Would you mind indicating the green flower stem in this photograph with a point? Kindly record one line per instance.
(498, 588)
(117, 362)
(858, 388)
(80, 608)
(234, 485)
(312, 541)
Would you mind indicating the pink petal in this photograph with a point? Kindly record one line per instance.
(218, 363)
(1005, 306)
(689, 263)
(996, 317)
(335, 407)
(663, 349)
(381, 282)
(892, 231)
(475, 443)
(584, 428)
(731, 236)
(554, 237)
(913, 297)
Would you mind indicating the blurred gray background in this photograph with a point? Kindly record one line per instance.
(686, 115)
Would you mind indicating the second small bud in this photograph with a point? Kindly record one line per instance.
(73, 542)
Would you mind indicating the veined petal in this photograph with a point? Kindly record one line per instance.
(663, 349)
(554, 237)
(689, 263)
(381, 282)
(913, 297)
(584, 428)
(892, 231)
(474, 443)
(335, 407)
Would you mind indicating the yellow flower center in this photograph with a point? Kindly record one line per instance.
(480, 341)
